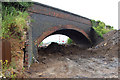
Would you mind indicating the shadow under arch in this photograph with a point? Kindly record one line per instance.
(76, 34)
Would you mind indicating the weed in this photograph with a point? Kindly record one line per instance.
(15, 25)
(6, 73)
(14, 19)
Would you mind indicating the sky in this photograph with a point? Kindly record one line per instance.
(56, 38)
(103, 10)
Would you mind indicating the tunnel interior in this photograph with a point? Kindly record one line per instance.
(76, 36)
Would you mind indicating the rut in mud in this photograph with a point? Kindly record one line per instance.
(69, 61)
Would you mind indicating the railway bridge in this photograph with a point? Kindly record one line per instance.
(47, 21)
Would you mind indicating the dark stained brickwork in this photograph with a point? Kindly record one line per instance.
(48, 21)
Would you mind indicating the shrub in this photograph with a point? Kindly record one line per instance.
(14, 19)
(14, 25)
(100, 27)
(69, 41)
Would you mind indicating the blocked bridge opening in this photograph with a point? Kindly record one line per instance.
(59, 46)
(56, 38)
(77, 37)
(50, 21)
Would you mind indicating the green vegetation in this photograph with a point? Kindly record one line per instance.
(69, 41)
(6, 70)
(14, 19)
(100, 27)
(41, 44)
(14, 25)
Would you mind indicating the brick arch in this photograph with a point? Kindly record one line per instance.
(51, 30)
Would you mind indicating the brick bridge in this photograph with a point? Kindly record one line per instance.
(47, 21)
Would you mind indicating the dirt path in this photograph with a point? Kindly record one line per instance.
(69, 61)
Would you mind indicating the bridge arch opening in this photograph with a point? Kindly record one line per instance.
(55, 38)
(78, 37)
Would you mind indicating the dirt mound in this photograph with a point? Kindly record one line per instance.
(110, 39)
(70, 61)
(52, 48)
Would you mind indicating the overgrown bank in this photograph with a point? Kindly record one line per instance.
(15, 24)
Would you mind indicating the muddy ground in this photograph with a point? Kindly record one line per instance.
(69, 61)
